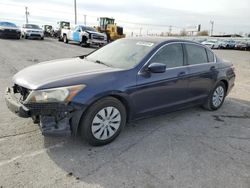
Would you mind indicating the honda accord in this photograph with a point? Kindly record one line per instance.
(95, 95)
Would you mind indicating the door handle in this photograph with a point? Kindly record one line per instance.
(182, 73)
(212, 68)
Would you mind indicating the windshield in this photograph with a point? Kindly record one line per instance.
(88, 29)
(123, 53)
(7, 24)
(30, 26)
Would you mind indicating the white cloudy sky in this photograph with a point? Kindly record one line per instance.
(230, 16)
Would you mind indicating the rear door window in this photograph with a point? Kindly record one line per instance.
(196, 54)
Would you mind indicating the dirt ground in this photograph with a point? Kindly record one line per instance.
(190, 148)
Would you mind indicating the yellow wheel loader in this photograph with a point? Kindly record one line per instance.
(108, 26)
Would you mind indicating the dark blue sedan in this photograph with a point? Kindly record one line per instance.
(95, 95)
(9, 30)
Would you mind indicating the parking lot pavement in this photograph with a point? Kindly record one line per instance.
(189, 148)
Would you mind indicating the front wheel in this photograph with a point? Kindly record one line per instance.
(216, 97)
(103, 121)
(65, 39)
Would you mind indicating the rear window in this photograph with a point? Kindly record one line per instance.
(196, 54)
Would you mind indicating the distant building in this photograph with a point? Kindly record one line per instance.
(230, 35)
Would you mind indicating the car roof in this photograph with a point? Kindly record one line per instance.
(159, 40)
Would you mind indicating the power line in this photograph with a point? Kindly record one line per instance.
(121, 21)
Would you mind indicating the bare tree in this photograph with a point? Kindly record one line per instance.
(203, 33)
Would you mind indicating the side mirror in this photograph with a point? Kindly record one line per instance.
(157, 67)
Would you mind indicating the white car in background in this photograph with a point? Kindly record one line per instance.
(32, 31)
(213, 44)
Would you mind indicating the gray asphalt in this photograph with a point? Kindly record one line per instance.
(190, 148)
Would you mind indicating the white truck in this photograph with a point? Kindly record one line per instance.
(86, 36)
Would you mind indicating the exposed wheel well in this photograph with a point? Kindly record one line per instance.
(121, 99)
(84, 39)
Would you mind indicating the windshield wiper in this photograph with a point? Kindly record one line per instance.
(97, 61)
(100, 62)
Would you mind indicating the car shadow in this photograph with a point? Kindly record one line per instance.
(87, 163)
(5, 38)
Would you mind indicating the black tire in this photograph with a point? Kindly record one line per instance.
(42, 38)
(209, 105)
(84, 43)
(88, 118)
(65, 39)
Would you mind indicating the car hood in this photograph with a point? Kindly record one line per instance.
(94, 32)
(59, 73)
(26, 29)
(10, 28)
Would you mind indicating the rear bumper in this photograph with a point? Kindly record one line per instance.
(56, 119)
(231, 79)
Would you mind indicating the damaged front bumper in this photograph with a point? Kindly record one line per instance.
(96, 42)
(53, 118)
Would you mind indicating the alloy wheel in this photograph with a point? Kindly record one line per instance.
(218, 96)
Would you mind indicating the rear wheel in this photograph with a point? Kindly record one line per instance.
(103, 121)
(216, 97)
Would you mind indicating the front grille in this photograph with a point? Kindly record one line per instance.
(98, 37)
(20, 92)
(35, 35)
(11, 31)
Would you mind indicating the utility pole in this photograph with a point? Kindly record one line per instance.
(75, 12)
(85, 18)
(212, 27)
(170, 30)
(140, 31)
(26, 14)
